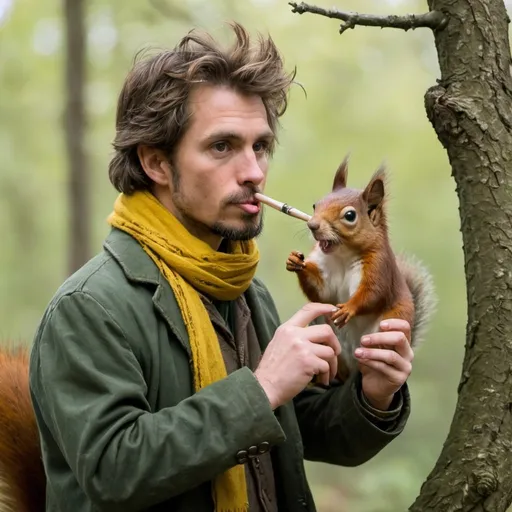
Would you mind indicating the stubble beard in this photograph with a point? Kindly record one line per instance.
(252, 229)
(248, 232)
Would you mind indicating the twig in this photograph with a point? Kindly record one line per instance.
(435, 20)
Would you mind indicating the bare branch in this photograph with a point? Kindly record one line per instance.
(435, 19)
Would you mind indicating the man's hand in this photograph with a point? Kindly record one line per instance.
(297, 353)
(386, 368)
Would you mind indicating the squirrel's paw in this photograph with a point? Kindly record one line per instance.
(295, 262)
(343, 315)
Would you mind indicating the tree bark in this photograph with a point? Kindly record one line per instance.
(75, 125)
(471, 112)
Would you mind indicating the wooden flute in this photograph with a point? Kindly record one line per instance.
(282, 207)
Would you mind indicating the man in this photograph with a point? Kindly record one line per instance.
(161, 376)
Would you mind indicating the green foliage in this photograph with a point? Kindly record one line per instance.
(364, 95)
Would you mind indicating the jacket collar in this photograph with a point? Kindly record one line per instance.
(139, 268)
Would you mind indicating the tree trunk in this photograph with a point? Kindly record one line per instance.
(78, 186)
(471, 111)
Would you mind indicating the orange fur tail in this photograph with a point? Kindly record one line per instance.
(22, 478)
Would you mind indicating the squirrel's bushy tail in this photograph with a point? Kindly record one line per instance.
(420, 282)
(22, 477)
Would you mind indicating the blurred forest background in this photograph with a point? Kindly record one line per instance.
(364, 95)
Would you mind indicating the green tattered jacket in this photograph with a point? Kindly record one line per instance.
(121, 428)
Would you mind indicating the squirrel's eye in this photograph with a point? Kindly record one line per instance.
(350, 216)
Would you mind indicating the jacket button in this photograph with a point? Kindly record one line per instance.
(253, 451)
(242, 457)
(263, 447)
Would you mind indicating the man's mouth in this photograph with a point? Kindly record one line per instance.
(251, 206)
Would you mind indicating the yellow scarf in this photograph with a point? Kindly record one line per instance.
(190, 264)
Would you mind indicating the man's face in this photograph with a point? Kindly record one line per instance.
(220, 162)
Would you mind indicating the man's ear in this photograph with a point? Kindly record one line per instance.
(155, 164)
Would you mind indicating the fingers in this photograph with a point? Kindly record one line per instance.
(309, 312)
(324, 372)
(393, 340)
(397, 324)
(323, 351)
(323, 379)
(387, 360)
(392, 375)
(327, 354)
(323, 334)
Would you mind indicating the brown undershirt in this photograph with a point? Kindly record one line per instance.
(240, 347)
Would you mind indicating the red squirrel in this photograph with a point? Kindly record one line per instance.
(22, 477)
(353, 267)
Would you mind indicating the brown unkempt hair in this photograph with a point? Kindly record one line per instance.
(152, 106)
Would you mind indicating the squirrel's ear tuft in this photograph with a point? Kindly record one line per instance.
(374, 193)
(340, 178)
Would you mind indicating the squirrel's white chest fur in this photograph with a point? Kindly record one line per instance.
(341, 275)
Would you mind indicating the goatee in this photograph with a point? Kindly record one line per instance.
(241, 234)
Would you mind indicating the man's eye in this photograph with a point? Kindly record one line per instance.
(260, 147)
(220, 147)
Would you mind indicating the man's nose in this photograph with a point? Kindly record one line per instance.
(251, 169)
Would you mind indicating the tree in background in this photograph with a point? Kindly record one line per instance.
(74, 130)
(470, 109)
